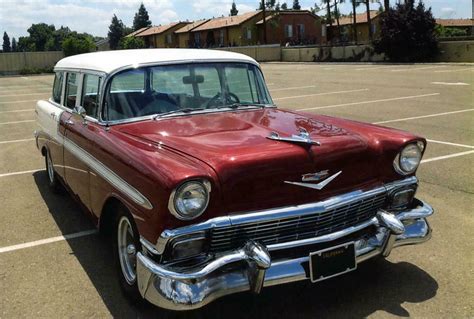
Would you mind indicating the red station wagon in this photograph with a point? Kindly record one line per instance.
(206, 188)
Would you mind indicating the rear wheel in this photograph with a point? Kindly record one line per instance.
(126, 245)
(52, 177)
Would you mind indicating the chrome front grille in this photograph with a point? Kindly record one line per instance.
(282, 230)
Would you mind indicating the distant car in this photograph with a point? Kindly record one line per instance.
(207, 188)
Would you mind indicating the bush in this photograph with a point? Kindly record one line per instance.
(407, 34)
(445, 32)
(26, 71)
(131, 43)
(77, 44)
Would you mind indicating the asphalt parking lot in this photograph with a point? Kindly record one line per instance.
(43, 274)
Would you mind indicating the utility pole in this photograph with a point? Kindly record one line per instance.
(264, 23)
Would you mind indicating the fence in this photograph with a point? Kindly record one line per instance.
(11, 63)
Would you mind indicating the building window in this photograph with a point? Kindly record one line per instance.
(248, 33)
(169, 38)
(288, 30)
(323, 30)
(197, 38)
(221, 37)
(300, 30)
(374, 28)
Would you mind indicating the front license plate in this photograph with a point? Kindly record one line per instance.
(332, 262)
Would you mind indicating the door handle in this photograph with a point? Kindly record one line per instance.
(69, 122)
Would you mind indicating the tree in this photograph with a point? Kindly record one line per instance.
(296, 5)
(116, 32)
(284, 6)
(337, 14)
(40, 33)
(407, 34)
(25, 44)
(233, 10)
(6, 43)
(277, 7)
(77, 43)
(141, 19)
(14, 46)
(386, 4)
(369, 22)
(132, 43)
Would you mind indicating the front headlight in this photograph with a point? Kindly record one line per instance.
(408, 160)
(190, 199)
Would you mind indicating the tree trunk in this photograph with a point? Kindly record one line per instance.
(369, 23)
(336, 14)
(386, 4)
(354, 26)
(264, 23)
(329, 35)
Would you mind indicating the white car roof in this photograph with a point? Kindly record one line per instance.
(109, 61)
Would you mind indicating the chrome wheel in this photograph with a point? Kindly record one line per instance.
(127, 250)
(50, 168)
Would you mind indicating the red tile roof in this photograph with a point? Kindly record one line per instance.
(455, 22)
(158, 29)
(224, 22)
(360, 18)
(191, 26)
(274, 14)
(134, 33)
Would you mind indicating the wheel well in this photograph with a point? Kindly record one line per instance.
(108, 214)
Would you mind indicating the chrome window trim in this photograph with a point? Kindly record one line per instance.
(279, 213)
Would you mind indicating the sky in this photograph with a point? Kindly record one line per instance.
(93, 16)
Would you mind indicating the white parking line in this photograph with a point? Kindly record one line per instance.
(13, 102)
(21, 173)
(40, 88)
(446, 157)
(423, 116)
(48, 241)
(371, 101)
(417, 69)
(374, 68)
(17, 141)
(293, 88)
(17, 111)
(11, 95)
(450, 83)
(449, 143)
(17, 122)
(25, 86)
(318, 94)
(458, 70)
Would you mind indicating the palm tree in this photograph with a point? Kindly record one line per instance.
(336, 15)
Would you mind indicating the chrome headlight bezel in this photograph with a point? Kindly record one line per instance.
(176, 208)
(402, 165)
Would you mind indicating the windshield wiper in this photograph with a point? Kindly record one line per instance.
(185, 110)
(237, 105)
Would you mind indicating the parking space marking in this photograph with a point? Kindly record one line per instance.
(318, 94)
(17, 111)
(13, 102)
(17, 122)
(446, 157)
(374, 68)
(371, 101)
(458, 70)
(17, 141)
(48, 241)
(423, 116)
(450, 83)
(293, 88)
(25, 86)
(12, 95)
(449, 143)
(21, 173)
(418, 69)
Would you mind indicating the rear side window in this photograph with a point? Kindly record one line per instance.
(90, 94)
(57, 88)
(71, 90)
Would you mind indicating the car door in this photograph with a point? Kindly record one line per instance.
(48, 115)
(82, 93)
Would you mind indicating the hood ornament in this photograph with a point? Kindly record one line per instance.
(302, 138)
(315, 176)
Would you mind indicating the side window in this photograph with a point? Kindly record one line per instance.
(90, 94)
(71, 90)
(57, 87)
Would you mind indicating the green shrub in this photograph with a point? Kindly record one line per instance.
(77, 44)
(407, 34)
(131, 43)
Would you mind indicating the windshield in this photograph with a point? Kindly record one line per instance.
(160, 90)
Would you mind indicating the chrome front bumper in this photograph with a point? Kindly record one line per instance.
(250, 268)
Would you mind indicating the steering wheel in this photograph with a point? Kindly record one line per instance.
(231, 98)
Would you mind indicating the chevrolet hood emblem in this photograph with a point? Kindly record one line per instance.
(316, 176)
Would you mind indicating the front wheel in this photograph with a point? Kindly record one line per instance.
(126, 245)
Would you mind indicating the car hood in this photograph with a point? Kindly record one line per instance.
(253, 170)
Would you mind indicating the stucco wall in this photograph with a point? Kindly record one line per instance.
(15, 62)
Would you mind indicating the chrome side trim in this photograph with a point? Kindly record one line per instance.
(279, 213)
(107, 174)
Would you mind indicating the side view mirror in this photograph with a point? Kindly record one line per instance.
(80, 111)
